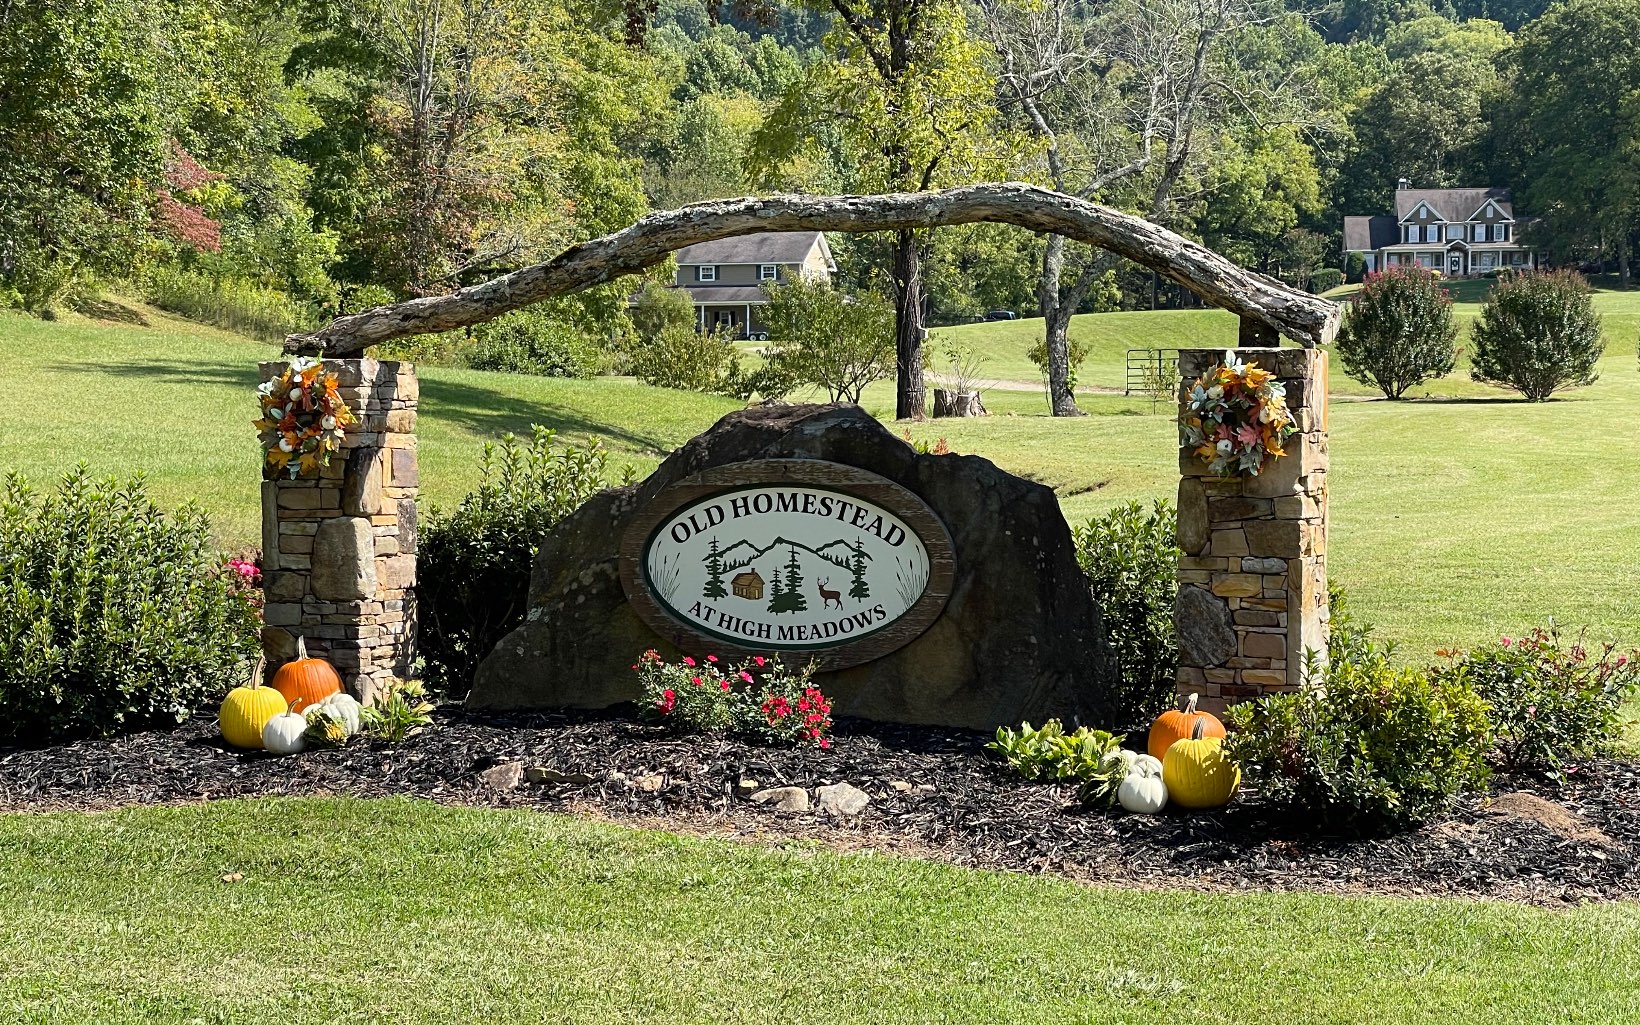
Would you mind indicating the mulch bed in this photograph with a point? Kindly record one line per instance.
(934, 793)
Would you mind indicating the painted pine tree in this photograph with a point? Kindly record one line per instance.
(795, 602)
(777, 594)
(859, 590)
(714, 573)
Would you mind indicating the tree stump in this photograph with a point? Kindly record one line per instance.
(953, 403)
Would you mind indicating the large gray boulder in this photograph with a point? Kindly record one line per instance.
(1020, 638)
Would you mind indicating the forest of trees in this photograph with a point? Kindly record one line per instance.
(324, 156)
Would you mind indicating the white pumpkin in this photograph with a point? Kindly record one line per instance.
(346, 710)
(283, 733)
(1142, 791)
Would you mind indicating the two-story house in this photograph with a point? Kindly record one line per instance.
(1459, 232)
(724, 279)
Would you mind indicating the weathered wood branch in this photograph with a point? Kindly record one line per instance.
(1307, 319)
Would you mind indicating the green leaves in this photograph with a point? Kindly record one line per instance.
(826, 339)
(1090, 758)
(1131, 560)
(113, 614)
(1538, 333)
(1399, 331)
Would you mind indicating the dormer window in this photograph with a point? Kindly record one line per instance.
(768, 272)
(706, 273)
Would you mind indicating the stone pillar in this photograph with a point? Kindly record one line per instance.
(339, 549)
(1253, 577)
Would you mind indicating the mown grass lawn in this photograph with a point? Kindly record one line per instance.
(1456, 517)
(400, 911)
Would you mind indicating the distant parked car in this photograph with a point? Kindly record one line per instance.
(1001, 315)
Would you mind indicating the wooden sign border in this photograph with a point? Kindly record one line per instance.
(850, 480)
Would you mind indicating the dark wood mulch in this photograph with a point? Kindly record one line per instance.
(934, 793)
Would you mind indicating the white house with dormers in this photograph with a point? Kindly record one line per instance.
(1459, 232)
(725, 278)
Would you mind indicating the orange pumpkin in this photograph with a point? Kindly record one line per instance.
(306, 681)
(1177, 724)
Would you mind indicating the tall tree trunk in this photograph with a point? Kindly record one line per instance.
(1056, 319)
(1623, 260)
(909, 402)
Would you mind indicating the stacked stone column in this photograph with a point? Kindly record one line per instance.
(339, 549)
(1253, 577)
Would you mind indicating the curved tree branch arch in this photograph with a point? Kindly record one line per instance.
(1263, 301)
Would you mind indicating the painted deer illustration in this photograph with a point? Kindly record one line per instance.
(828, 596)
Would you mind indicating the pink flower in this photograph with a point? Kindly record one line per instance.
(711, 658)
(1506, 642)
(697, 681)
(688, 661)
(725, 684)
(1531, 711)
(668, 700)
(824, 742)
(760, 660)
(744, 675)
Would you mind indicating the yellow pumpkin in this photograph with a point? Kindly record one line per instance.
(1197, 773)
(246, 710)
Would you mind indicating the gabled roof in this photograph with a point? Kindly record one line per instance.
(1364, 234)
(1450, 204)
(786, 247)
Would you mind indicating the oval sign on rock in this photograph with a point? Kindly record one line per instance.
(811, 559)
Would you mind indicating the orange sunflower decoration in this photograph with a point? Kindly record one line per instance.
(303, 418)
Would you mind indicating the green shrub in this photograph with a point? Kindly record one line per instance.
(231, 303)
(1077, 351)
(1355, 267)
(1538, 333)
(1326, 279)
(1091, 758)
(690, 360)
(1130, 558)
(1398, 331)
(530, 342)
(113, 615)
(825, 338)
(1378, 747)
(473, 577)
(1551, 701)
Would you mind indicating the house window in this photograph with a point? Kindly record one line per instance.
(705, 273)
(1503, 233)
(768, 272)
(725, 318)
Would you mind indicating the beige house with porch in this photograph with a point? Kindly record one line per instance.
(1459, 232)
(724, 279)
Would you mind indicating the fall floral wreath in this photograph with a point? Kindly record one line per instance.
(303, 417)
(1236, 418)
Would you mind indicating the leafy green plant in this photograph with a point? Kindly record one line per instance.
(758, 697)
(1551, 701)
(1377, 747)
(114, 615)
(826, 338)
(529, 341)
(1090, 758)
(1538, 333)
(473, 582)
(399, 712)
(689, 360)
(1326, 279)
(1077, 350)
(228, 302)
(1398, 332)
(1130, 558)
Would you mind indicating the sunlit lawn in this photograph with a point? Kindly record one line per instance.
(398, 911)
(1455, 517)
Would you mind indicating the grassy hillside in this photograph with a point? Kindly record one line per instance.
(1455, 517)
(299, 912)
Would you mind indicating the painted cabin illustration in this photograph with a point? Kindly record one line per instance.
(747, 585)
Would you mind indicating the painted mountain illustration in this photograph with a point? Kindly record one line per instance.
(743, 553)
